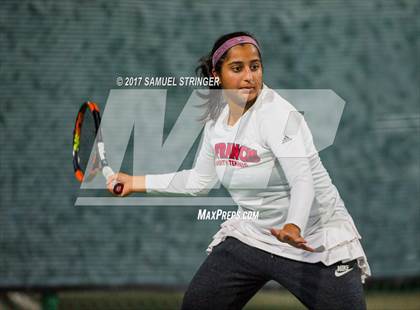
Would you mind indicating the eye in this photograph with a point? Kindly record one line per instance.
(236, 68)
(255, 67)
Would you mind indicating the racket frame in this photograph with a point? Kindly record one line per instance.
(99, 144)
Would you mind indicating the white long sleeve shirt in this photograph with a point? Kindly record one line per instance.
(268, 162)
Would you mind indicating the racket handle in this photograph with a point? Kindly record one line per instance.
(118, 188)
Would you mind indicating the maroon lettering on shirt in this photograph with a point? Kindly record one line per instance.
(236, 151)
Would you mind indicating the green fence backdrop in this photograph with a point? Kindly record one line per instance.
(56, 54)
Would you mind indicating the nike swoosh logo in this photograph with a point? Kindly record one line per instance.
(342, 273)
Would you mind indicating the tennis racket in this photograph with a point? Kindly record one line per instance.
(87, 136)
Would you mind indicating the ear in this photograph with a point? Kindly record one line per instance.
(214, 73)
(216, 76)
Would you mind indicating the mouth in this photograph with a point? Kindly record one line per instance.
(246, 89)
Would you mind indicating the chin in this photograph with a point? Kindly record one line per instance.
(242, 99)
(251, 98)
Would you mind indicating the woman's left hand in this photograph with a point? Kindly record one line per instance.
(290, 234)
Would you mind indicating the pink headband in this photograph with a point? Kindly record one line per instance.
(230, 43)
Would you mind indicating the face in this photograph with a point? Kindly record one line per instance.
(241, 74)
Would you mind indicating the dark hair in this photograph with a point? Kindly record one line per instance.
(215, 104)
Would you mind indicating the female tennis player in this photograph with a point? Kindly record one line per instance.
(261, 149)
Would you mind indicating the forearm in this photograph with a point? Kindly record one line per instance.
(139, 184)
(302, 196)
(185, 182)
(302, 193)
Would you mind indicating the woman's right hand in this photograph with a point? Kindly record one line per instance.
(125, 179)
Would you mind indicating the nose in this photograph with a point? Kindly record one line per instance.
(248, 76)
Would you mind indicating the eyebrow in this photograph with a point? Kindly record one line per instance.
(240, 62)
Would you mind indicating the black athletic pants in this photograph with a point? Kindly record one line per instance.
(234, 272)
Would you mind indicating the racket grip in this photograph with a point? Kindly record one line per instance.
(118, 188)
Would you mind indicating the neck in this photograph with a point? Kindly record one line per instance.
(236, 110)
